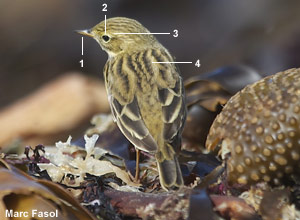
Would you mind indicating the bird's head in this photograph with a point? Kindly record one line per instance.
(120, 34)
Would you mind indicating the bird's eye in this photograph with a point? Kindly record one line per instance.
(105, 38)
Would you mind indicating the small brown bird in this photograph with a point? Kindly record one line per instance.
(146, 98)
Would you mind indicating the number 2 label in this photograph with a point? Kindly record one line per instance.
(104, 7)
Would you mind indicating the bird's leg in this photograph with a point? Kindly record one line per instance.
(137, 165)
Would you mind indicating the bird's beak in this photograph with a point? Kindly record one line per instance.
(86, 32)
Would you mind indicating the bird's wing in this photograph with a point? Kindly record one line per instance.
(120, 81)
(121, 76)
(171, 94)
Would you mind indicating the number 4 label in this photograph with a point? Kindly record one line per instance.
(197, 64)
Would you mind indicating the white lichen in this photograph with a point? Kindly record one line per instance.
(66, 159)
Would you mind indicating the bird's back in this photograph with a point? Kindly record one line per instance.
(157, 89)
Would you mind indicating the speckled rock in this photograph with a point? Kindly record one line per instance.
(259, 130)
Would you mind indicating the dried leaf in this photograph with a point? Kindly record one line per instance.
(233, 208)
(197, 126)
(205, 95)
(42, 115)
(21, 193)
(231, 78)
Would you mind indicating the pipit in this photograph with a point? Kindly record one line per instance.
(146, 98)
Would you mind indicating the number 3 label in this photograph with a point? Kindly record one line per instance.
(175, 33)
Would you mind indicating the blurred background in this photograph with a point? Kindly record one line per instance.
(38, 43)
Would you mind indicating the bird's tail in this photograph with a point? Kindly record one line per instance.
(169, 170)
